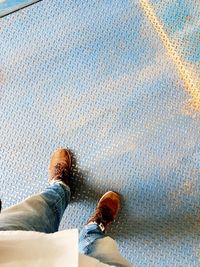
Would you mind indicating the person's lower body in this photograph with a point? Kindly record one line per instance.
(43, 213)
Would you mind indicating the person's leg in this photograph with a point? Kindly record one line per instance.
(42, 212)
(93, 241)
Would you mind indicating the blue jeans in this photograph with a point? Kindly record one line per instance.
(43, 213)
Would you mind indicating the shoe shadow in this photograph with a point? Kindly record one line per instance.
(177, 224)
(81, 188)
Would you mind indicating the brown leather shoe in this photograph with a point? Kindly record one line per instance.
(60, 166)
(106, 210)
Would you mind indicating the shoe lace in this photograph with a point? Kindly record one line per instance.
(60, 171)
(102, 215)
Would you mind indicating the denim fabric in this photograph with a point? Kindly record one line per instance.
(94, 243)
(89, 234)
(41, 213)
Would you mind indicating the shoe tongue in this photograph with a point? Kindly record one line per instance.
(106, 214)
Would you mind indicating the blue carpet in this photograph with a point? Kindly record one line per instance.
(119, 86)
